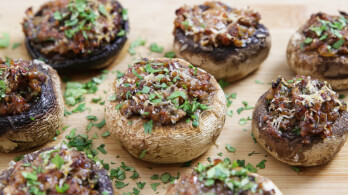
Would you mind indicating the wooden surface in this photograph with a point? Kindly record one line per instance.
(153, 21)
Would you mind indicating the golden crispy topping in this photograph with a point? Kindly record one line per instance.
(164, 91)
(302, 107)
(59, 171)
(71, 28)
(328, 35)
(216, 24)
(20, 86)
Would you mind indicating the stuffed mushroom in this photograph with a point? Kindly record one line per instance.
(228, 43)
(31, 104)
(76, 35)
(320, 49)
(223, 178)
(57, 170)
(301, 122)
(165, 110)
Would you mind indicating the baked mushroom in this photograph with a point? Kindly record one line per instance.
(320, 48)
(301, 122)
(57, 170)
(222, 178)
(75, 35)
(31, 104)
(165, 110)
(228, 43)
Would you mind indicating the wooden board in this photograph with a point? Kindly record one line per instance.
(153, 21)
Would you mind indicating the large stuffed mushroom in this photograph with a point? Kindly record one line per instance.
(165, 110)
(228, 43)
(320, 48)
(57, 170)
(301, 122)
(223, 178)
(31, 104)
(76, 35)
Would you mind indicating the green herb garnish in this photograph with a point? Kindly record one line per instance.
(156, 48)
(148, 127)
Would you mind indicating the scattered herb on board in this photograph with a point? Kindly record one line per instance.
(259, 82)
(15, 45)
(261, 164)
(141, 185)
(170, 54)
(296, 169)
(252, 153)
(242, 121)
(230, 148)
(154, 186)
(120, 184)
(187, 164)
(223, 83)
(154, 47)
(134, 44)
(4, 40)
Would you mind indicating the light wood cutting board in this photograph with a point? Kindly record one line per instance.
(152, 20)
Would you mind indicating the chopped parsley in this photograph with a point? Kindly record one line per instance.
(134, 44)
(230, 148)
(120, 184)
(261, 164)
(15, 45)
(156, 48)
(154, 186)
(170, 54)
(62, 189)
(142, 154)
(223, 83)
(148, 127)
(58, 161)
(5, 40)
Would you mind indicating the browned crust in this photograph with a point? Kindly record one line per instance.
(294, 152)
(310, 63)
(103, 179)
(230, 63)
(24, 133)
(168, 144)
(178, 188)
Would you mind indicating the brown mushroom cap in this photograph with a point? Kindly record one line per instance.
(171, 143)
(230, 63)
(20, 132)
(310, 63)
(293, 152)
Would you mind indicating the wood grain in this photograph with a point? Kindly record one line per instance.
(152, 20)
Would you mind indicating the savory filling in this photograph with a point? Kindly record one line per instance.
(73, 28)
(221, 178)
(216, 24)
(328, 35)
(302, 107)
(58, 171)
(164, 91)
(20, 86)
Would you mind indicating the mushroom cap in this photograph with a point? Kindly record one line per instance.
(293, 152)
(229, 63)
(99, 59)
(19, 132)
(310, 63)
(177, 143)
